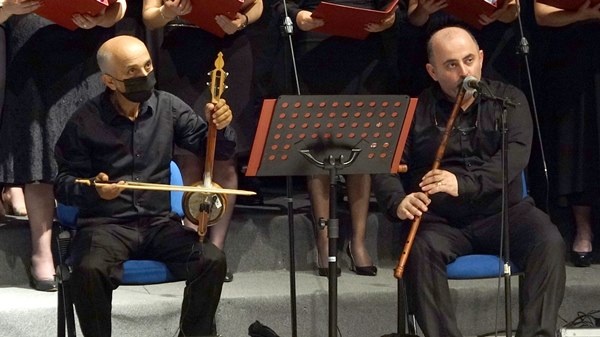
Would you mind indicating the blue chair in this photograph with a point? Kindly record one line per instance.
(135, 272)
(466, 267)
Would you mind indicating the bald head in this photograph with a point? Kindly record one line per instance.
(120, 51)
(453, 55)
(444, 35)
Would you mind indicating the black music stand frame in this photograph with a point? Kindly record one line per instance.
(333, 165)
(295, 130)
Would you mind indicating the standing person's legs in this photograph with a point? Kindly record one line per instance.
(359, 193)
(39, 200)
(318, 189)
(203, 266)
(435, 245)
(226, 176)
(584, 236)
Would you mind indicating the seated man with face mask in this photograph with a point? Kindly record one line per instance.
(128, 134)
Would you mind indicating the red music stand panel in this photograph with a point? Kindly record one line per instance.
(333, 125)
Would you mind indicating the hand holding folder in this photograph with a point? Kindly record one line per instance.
(204, 12)
(470, 11)
(61, 11)
(347, 21)
(570, 5)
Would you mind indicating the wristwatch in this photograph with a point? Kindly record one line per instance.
(245, 24)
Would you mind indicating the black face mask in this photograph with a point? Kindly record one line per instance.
(139, 89)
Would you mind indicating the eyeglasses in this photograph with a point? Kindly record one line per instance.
(462, 129)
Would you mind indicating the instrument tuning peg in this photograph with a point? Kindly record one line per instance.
(208, 73)
(207, 83)
(226, 87)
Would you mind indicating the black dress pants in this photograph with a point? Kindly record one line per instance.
(98, 253)
(536, 247)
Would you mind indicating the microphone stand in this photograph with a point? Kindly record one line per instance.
(288, 29)
(504, 238)
(504, 233)
(332, 224)
(523, 49)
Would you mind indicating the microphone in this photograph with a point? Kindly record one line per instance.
(471, 83)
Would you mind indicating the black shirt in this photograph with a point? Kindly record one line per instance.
(473, 153)
(98, 139)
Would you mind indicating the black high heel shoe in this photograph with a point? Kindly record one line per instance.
(581, 259)
(48, 285)
(366, 271)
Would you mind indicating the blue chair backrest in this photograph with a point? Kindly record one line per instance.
(67, 215)
(176, 196)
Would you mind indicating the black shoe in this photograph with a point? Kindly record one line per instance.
(366, 271)
(257, 329)
(228, 276)
(580, 259)
(43, 285)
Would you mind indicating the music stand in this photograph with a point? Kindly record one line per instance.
(295, 132)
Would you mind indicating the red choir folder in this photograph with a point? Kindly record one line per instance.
(570, 5)
(347, 21)
(204, 12)
(469, 11)
(61, 11)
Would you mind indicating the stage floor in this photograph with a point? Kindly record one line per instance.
(258, 253)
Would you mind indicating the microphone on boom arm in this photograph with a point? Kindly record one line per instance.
(472, 83)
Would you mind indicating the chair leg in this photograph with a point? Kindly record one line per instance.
(65, 311)
(65, 314)
(70, 312)
(412, 325)
(60, 313)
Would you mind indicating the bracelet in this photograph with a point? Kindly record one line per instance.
(245, 24)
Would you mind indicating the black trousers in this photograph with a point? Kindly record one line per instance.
(536, 247)
(98, 253)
